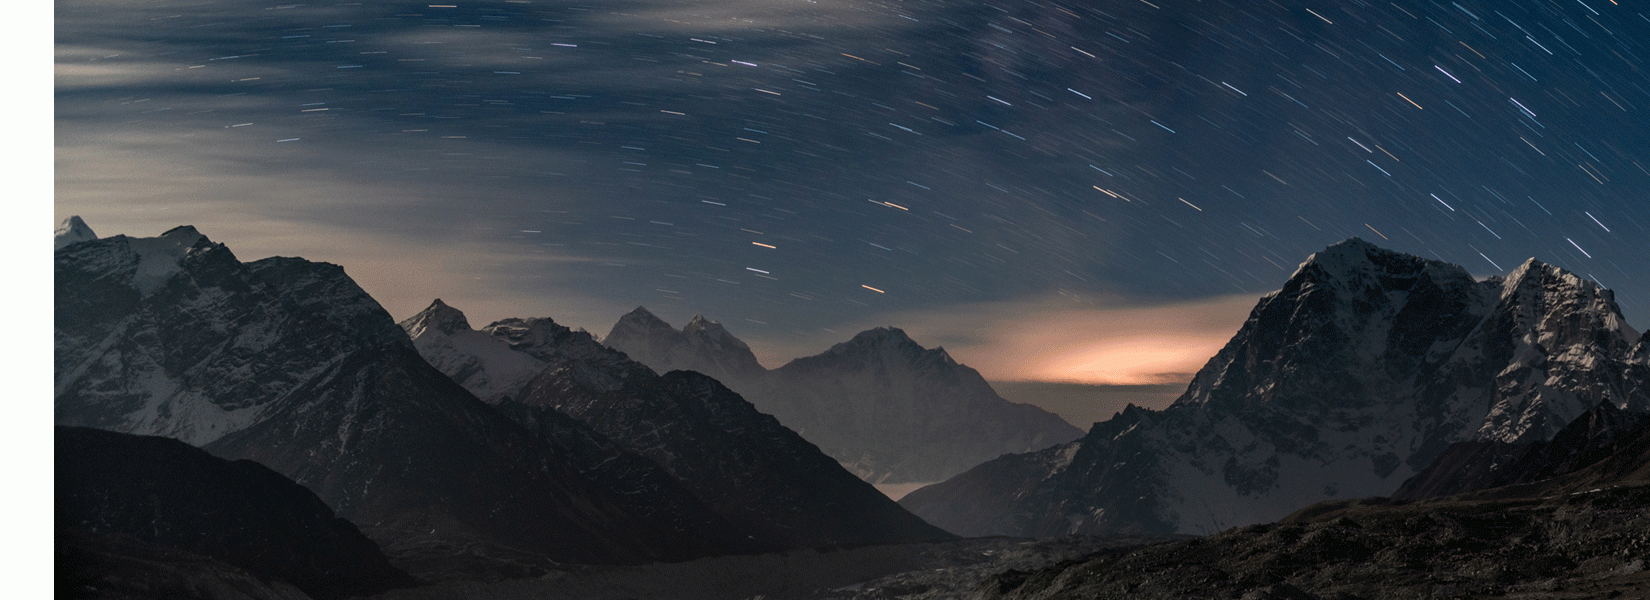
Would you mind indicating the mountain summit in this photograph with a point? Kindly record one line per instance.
(703, 346)
(1353, 377)
(72, 230)
(887, 408)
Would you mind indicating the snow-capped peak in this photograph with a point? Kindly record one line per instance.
(1347, 252)
(158, 257)
(1354, 264)
(72, 230)
(1534, 273)
(440, 317)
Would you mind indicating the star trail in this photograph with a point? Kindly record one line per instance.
(798, 169)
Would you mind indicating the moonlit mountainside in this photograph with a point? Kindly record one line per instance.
(289, 363)
(1356, 375)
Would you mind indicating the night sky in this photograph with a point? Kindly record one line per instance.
(1049, 189)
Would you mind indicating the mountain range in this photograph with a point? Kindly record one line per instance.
(509, 450)
(1355, 376)
(884, 406)
(288, 363)
(744, 464)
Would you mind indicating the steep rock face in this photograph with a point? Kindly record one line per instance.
(776, 487)
(165, 493)
(881, 404)
(174, 336)
(1353, 377)
(289, 363)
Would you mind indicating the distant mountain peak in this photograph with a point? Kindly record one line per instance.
(713, 332)
(440, 317)
(639, 323)
(702, 345)
(876, 341)
(883, 334)
(183, 232)
(641, 312)
(867, 401)
(1354, 243)
(72, 230)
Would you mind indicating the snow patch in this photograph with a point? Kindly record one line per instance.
(158, 257)
(71, 231)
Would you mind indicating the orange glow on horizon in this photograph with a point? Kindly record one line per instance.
(1054, 339)
(1132, 360)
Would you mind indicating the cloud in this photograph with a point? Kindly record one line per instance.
(1111, 341)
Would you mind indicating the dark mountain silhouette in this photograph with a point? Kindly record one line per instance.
(114, 488)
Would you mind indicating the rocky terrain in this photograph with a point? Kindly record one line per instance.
(1355, 376)
(1573, 523)
(935, 570)
(1571, 546)
(1588, 544)
(887, 408)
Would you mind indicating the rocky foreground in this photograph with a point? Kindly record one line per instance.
(1587, 544)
